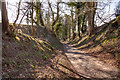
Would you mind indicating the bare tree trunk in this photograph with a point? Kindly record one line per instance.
(90, 28)
(73, 26)
(79, 18)
(48, 19)
(32, 29)
(39, 13)
(17, 14)
(69, 32)
(57, 17)
(5, 23)
(27, 18)
(51, 10)
(40, 16)
(91, 15)
(83, 26)
(24, 14)
(65, 29)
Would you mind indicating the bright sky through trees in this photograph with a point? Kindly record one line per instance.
(12, 9)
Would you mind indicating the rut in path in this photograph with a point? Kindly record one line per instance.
(89, 66)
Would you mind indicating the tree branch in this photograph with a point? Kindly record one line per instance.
(53, 23)
(24, 15)
(51, 10)
(18, 13)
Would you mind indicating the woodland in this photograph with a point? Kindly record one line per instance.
(60, 40)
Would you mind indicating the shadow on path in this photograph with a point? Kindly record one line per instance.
(89, 66)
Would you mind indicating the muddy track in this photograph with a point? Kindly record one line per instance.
(89, 66)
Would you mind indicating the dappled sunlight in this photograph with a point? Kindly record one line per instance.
(89, 65)
(60, 40)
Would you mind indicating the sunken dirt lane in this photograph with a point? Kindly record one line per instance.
(89, 66)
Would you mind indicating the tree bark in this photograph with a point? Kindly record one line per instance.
(79, 18)
(40, 16)
(83, 25)
(32, 29)
(39, 13)
(73, 29)
(5, 22)
(24, 14)
(18, 13)
(91, 15)
(51, 10)
(57, 17)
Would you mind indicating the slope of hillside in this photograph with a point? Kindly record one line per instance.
(104, 44)
(42, 33)
(24, 56)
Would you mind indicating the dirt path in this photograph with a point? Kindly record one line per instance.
(89, 66)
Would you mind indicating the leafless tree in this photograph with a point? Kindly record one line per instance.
(5, 21)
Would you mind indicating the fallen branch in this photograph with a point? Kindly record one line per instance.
(86, 77)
